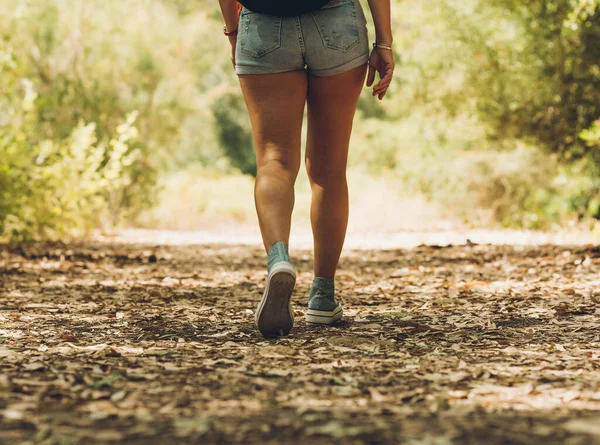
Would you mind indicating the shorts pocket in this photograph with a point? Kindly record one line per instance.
(259, 33)
(337, 24)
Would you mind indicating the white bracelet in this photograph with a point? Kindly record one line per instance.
(379, 45)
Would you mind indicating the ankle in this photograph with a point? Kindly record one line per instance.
(324, 281)
(323, 285)
(277, 252)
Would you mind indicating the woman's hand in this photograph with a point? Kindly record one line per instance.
(231, 16)
(233, 42)
(382, 61)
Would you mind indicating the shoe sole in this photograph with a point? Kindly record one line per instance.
(315, 317)
(274, 313)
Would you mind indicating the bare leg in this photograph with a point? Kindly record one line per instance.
(275, 104)
(331, 107)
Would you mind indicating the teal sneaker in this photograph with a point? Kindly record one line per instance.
(323, 308)
(274, 313)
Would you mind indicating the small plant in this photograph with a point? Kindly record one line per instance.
(49, 187)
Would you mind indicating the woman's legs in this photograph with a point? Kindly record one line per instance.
(331, 107)
(275, 104)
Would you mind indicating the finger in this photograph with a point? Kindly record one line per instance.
(387, 77)
(370, 75)
(380, 94)
(387, 71)
(381, 88)
(382, 91)
(382, 84)
(378, 88)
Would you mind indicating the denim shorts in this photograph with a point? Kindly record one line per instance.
(325, 42)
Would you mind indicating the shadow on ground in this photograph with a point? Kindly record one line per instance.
(467, 344)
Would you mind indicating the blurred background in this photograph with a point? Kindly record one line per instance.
(127, 113)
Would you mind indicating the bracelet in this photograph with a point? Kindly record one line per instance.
(229, 33)
(379, 45)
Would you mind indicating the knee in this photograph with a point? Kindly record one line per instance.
(282, 168)
(324, 175)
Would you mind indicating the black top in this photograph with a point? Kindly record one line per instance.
(283, 7)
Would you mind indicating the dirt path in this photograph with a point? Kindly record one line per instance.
(138, 343)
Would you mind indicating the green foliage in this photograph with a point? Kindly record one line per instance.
(493, 104)
(533, 68)
(582, 12)
(234, 132)
(527, 188)
(50, 186)
(591, 136)
(72, 74)
(480, 87)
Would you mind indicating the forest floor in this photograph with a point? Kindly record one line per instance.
(124, 341)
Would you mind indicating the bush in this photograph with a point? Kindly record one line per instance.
(526, 187)
(234, 132)
(591, 136)
(533, 68)
(49, 187)
(72, 75)
(95, 110)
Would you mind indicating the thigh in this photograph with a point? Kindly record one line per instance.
(275, 105)
(331, 107)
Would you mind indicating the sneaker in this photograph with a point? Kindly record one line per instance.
(274, 313)
(323, 308)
